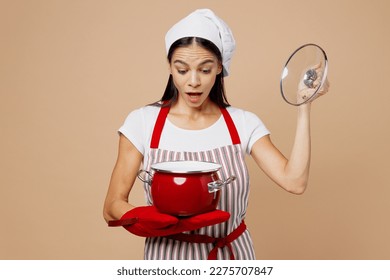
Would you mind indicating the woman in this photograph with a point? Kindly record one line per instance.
(199, 124)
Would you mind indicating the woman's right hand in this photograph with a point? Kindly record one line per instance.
(122, 179)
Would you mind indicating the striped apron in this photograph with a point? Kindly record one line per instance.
(233, 199)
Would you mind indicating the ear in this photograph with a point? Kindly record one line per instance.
(220, 68)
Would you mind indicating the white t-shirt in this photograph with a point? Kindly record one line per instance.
(139, 124)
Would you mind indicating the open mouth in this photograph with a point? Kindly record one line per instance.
(194, 97)
(194, 93)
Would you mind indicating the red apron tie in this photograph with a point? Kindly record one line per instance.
(218, 242)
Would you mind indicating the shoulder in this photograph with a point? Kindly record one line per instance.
(140, 120)
(138, 126)
(242, 116)
(250, 127)
(143, 113)
(141, 117)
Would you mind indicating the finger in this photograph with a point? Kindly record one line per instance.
(317, 83)
(320, 74)
(317, 66)
(324, 89)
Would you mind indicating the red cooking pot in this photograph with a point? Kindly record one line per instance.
(184, 188)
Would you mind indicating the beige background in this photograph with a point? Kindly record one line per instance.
(71, 71)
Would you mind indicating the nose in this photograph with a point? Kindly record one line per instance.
(194, 80)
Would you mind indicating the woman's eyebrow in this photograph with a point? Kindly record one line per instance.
(200, 64)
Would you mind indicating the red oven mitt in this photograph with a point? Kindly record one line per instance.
(203, 220)
(146, 221)
(141, 220)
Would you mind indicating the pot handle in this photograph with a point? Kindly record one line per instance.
(143, 179)
(217, 185)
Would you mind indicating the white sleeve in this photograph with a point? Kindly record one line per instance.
(134, 129)
(255, 129)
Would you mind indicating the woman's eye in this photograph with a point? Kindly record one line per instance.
(182, 72)
(206, 71)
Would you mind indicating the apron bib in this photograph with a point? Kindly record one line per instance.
(233, 199)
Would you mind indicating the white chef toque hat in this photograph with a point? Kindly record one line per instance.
(203, 23)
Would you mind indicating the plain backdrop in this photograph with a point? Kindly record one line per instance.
(71, 71)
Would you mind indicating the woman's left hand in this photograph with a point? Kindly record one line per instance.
(305, 92)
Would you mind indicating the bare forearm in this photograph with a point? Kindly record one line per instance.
(116, 203)
(122, 180)
(114, 209)
(297, 167)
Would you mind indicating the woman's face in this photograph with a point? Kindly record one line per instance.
(194, 70)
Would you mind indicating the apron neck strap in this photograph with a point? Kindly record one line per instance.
(231, 126)
(158, 127)
(162, 116)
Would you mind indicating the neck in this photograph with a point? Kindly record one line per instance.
(206, 108)
(191, 118)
